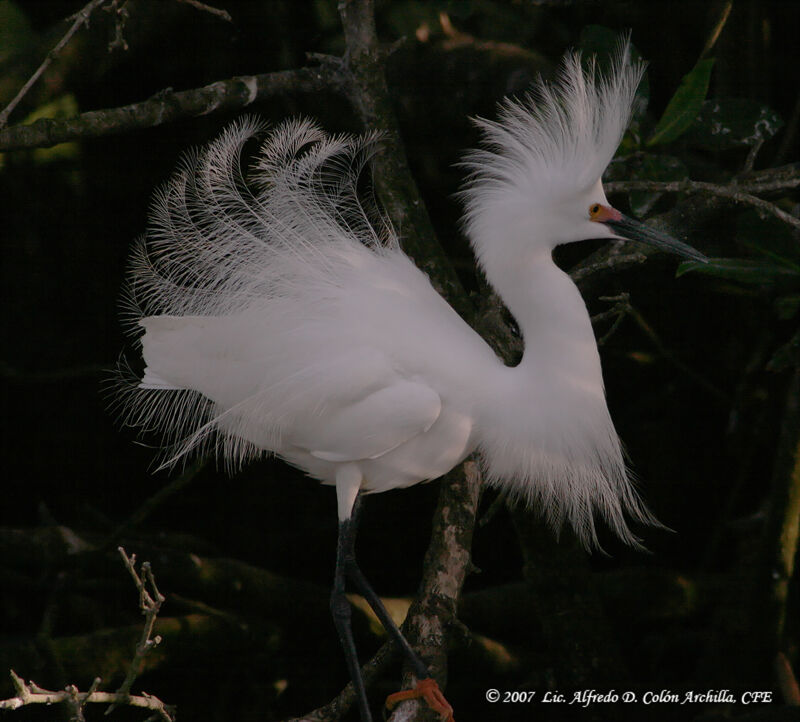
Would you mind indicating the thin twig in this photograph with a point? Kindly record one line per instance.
(149, 604)
(620, 309)
(750, 161)
(120, 13)
(615, 257)
(735, 193)
(765, 180)
(81, 18)
(31, 693)
(224, 14)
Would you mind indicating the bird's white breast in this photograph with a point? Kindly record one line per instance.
(426, 456)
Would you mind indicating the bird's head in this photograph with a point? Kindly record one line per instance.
(536, 181)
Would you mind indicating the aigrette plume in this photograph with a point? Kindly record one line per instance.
(220, 245)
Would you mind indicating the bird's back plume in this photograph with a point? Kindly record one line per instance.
(220, 244)
(216, 240)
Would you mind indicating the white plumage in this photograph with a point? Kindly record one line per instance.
(279, 314)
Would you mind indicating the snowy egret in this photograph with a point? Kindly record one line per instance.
(280, 315)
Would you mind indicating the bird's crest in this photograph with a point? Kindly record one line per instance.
(554, 142)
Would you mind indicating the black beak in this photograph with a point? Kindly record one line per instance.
(632, 230)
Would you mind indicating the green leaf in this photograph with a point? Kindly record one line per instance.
(724, 123)
(758, 272)
(684, 106)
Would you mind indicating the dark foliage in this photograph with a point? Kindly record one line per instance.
(701, 375)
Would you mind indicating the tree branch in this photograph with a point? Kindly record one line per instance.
(30, 693)
(72, 698)
(224, 14)
(168, 105)
(81, 18)
(447, 562)
(449, 551)
(150, 605)
(368, 92)
(734, 191)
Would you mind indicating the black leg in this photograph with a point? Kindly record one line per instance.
(346, 566)
(374, 601)
(340, 607)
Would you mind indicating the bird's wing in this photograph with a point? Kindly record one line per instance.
(274, 390)
(371, 426)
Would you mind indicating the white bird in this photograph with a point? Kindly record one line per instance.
(279, 314)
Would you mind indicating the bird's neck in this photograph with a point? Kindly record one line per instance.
(560, 346)
(545, 431)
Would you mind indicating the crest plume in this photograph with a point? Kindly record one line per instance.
(555, 141)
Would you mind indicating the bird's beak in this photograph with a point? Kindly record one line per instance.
(631, 230)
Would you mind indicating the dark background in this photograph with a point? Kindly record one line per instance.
(698, 410)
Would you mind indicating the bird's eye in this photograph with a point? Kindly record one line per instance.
(594, 209)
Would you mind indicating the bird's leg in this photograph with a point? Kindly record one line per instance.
(426, 687)
(340, 607)
(374, 601)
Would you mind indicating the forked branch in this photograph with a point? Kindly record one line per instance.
(150, 601)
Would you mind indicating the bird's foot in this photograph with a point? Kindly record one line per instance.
(428, 690)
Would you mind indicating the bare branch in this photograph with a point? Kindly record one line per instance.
(620, 309)
(30, 693)
(750, 161)
(368, 92)
(150, 605)
(776, 178)
(734, 192)
(224, 14)
(120, 14)
(771, 583)
(613, 257)
(81, 18)
(670, 357)
(150, 600)
(166, 106)
(447, 562)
